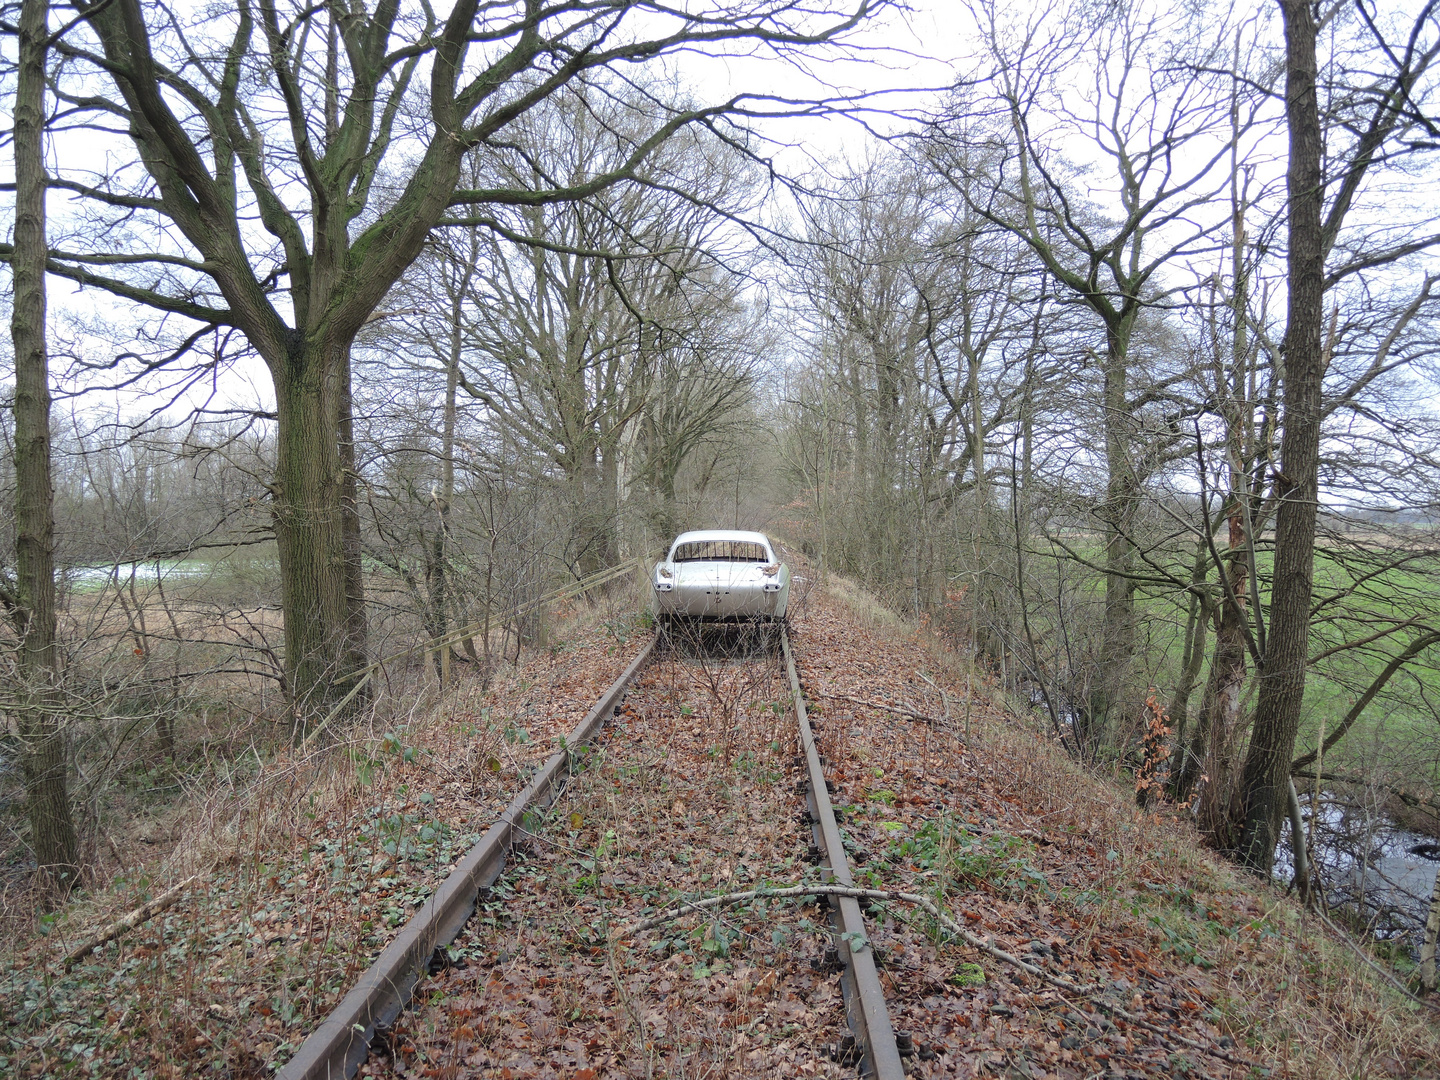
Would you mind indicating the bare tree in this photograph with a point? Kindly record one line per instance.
(287, 117)
(912, 308)
(31, 604)
(609, 335)
(1159, 130)
(1381, 115)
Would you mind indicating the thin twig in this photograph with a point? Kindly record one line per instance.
(909, 714)
(454, 637)
(923, 902)
(950, 926)
(1386, 975)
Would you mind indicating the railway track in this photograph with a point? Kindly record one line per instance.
(693, 728)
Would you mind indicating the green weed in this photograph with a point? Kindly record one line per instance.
(967, 976)
(952, 848)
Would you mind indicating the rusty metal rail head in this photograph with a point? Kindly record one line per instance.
(336, 1049)
(859, 981)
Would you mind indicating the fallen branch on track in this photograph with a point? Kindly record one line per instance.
(922, 902)
(909, 714)
(141, 914)
(946, 922)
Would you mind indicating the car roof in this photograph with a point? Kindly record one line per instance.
(704, 535)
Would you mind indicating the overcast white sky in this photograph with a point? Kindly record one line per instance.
(903, 53)
(900, 52)
(900, 56)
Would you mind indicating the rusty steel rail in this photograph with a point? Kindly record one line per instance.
(341, 1043)
(859, 981)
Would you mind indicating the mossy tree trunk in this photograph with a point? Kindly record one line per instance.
(1098, 724)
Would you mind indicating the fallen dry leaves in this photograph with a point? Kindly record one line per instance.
(928, 813)
(1055, 864)
(686, 794)
(307, 872)
(691, 793)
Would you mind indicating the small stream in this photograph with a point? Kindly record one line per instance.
(1370, 865)
(184, 568)
(144, 573)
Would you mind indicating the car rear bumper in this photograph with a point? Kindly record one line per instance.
(716, 601)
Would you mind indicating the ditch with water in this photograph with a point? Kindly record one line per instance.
(1374, 870)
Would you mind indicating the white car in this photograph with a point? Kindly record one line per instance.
(721, 574)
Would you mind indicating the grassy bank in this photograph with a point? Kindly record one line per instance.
(1040, 848)
(1359, 596)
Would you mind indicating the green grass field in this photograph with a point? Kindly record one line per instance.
(1358, 595)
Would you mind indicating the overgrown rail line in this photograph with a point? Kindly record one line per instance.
(343, 1041)
(864, 997)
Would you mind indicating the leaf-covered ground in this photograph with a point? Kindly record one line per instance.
(690, 792)
(1189, 971)
(1186, 969)
(306, 874)
(1026, 858)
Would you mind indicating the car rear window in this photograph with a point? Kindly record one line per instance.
(720, 551)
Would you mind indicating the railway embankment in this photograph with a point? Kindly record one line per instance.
(669, 914)
(1190, 967)
(301, 871)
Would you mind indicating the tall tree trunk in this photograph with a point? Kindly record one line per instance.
(493, 536)
(1282, 683)
(609, 499)
(440, 591)
(356, 627)
(42, 731)
(1197, 625)
(1221, 715)
(587, 484)
(975, 396)
(317, 529)
(437, 556)
(1117, 647)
